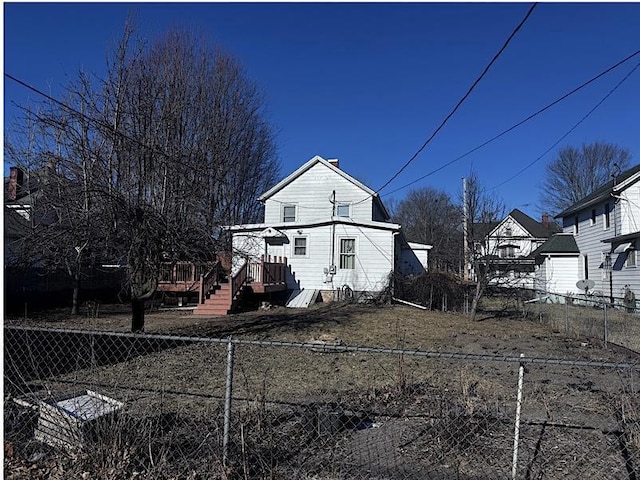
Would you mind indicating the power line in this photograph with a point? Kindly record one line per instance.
(95, 121)
(570, 130)
(533, 115)
(461, 101)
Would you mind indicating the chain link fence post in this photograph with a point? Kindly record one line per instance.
(227, 404)
(516, 433)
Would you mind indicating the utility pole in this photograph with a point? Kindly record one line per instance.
(465, 231)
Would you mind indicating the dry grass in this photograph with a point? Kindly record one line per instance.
(465, 407)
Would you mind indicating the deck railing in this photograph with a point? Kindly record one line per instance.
(182, 275)
(238, 280)
(207, 281)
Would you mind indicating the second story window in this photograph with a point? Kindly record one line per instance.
(343, 210)
(507, 251)
(607, 216)
(576, 223)
(593, 216)
(508, 232)
(288, 213)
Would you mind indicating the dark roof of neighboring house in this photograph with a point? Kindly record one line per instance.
(535, 228)
(481, 230)
(600, 194)
(15, 225)
(561, 243)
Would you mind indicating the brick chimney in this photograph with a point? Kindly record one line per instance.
(334, 161)
(545, 220)
(16, 183)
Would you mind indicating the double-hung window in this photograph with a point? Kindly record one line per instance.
(299, 246)
(288, 213)
(607, 216)
(632, 258)
(348, 253)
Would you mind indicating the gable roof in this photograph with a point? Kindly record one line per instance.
(622, 181)
(535, 228)
(310, 163)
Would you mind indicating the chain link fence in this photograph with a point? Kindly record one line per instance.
(86, 404)
(588, 316)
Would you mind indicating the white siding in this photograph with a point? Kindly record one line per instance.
(558, 275)
(312, 193)
(374, 256)
(629, 210)
(519, 238)
(589, 240)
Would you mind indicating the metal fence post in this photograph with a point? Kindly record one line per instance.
(227, 404)
(606, 326)
(516, 433)
(566, 315)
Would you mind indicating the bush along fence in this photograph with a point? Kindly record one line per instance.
(87, 404)
(588, 316)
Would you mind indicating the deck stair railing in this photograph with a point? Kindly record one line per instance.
(208, 280)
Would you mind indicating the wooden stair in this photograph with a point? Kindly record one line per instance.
(218, 301)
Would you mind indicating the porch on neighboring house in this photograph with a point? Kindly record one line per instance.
(218, 291)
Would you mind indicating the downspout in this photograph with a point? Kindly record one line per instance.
(397, 252)
(333, 231)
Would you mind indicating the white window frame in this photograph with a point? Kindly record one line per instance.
(295, 212)
(343, 205)
(306, 246)
(342, 254)
(632, 254)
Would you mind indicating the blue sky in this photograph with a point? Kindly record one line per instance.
(369, 82)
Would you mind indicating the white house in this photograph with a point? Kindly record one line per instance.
(333, 231)
(508, 246)
(605, 227)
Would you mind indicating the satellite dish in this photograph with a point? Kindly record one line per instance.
(585, 284)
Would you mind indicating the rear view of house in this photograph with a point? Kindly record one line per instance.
(334, 233)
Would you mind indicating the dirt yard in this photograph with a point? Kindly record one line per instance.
(496, 332)
(451, 418)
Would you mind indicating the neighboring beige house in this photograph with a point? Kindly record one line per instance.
(334, 232)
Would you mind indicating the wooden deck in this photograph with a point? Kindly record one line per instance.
(263, 276)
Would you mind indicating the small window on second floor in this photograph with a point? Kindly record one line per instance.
(343, 210)
(576, 227)
(508, 232)
(593, 216)
(607, 216)
(288, 213)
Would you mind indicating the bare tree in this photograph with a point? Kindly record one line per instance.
(428, 215)
(484, 211)
(577, 172)
(170, 145)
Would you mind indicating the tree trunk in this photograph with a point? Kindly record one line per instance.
(137, 315)
(476, 299)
